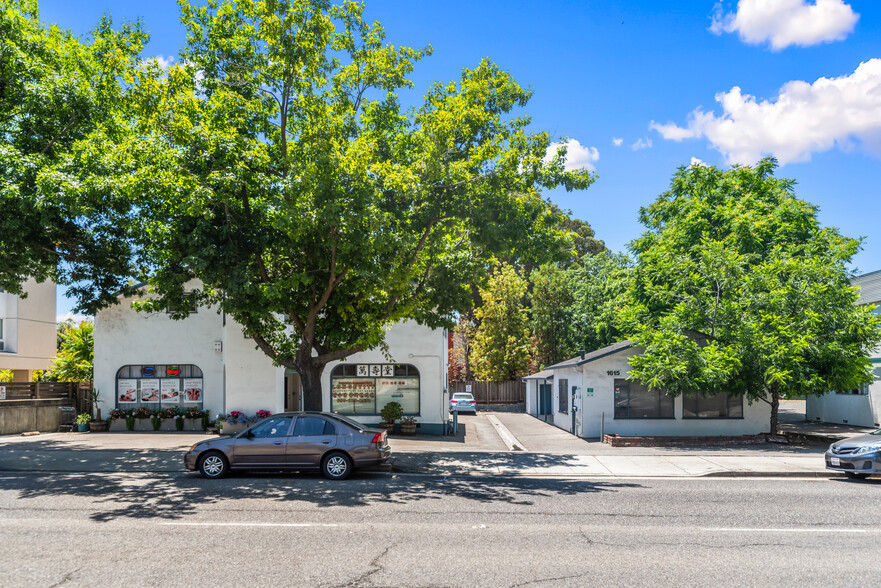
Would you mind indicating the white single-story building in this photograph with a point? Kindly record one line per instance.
(860, 407)
(592, 395)
(206, 361)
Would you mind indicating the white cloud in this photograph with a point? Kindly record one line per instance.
(786, 22)
(641, 143)
(696, 161)
(77, 318)
(804, 119)
(617, 142)
(161, 60)
(577, 156)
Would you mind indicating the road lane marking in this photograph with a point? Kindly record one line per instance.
(249, 524)
(784, 530)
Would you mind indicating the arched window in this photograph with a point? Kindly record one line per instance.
(158, 385)
(364, 389)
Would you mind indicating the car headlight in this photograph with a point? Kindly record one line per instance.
(832, 447)
(867, 449)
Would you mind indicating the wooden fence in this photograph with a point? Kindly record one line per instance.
(78, 393)
(511, 392)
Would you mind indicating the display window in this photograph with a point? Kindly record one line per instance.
(364, 389)
(154, 385)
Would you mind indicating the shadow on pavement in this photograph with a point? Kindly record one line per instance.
(180, 495)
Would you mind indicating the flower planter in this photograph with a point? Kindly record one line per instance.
(98, 426)
(193, 425)
(229, 429)
(82, 428)
(143, 425)
(408, 429)
(117, 425)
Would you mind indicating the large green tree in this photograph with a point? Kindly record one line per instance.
(276, 165)
(500, 347)
(738, 289)
(55, 91)
(598, 285)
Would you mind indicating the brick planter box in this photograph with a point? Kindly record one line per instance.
(616, 441)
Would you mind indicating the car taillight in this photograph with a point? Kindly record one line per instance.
(377, 438)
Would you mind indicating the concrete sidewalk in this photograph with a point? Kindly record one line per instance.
(152, 453)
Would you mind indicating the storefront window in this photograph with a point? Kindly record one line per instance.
(364, 389)
(155, 386)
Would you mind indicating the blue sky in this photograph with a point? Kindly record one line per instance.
(647, 86)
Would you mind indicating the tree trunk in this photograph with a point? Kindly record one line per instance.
(310, 377)
(775, 405)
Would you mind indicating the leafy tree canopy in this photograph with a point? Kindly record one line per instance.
(739, 290)
(55, 91)
(500, 349)
(276, 165)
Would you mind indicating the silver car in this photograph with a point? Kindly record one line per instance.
(857, 457)
(463, 402)
(293, 441)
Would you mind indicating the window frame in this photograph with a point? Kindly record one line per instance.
(660, 394)
(188, 371)
(563, 395)
(728, 404)
(349, 371)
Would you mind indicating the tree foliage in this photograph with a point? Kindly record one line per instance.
(598, 284)
(55, 91)
(550, 316)
(75, 358)
(738, 289)
(276, 165)
(500, 349)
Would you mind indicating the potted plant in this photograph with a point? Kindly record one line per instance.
(156, 420)
(97, 424)
(390, 413)
(408, 425)
(82, 422)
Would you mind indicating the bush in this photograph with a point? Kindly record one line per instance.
(391, 412)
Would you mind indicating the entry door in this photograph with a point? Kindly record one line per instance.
(545, 401)
(291, 391)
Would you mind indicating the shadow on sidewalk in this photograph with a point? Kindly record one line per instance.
(178, 496)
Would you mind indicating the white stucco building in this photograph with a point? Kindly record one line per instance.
(148, 359)
(860, 407)
(28, 339)
(591, 395)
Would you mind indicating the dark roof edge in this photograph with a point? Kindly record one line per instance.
(594, 355)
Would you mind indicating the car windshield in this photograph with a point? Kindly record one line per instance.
(463, 396)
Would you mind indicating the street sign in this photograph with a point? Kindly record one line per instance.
(467, 387)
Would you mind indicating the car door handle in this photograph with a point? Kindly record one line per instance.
(326, 442)
(279, 443)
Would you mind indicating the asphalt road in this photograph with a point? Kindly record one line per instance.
(295, 530)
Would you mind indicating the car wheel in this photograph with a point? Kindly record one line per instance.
(213, 465)
(856, 476)
(336, 466)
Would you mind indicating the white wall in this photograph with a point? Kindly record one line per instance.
(598, 411)
(857, 410)
(413, 344)
(29, 329)
(124, 336)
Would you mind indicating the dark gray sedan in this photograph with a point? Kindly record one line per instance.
(857, 457)
(293, 441)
